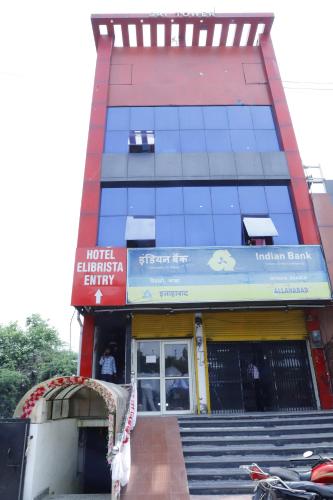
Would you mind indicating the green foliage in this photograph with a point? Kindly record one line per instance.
(29, 356)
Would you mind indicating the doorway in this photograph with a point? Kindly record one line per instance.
(259, 376)
(164, 376)
(97, 473)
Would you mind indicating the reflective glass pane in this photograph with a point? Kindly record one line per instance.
(225, 200)
(252, 200)
(166, 118)
(242, 140)
(111, 231)
(148, 359)
(176, 360)
(262, 117)
(197, 200)
(266, 140)
(170, 231)
(278, 199)
(177, 396)
(228, 229)
(113, 201)
(118, 119)
(215, 117)
(167, 141)
(116, 142)
(142, 118)
(169, 200)
(239, 117)
(286, 228)
(141, 201)
(218, 140)
(190, 117)
(199, 230)
(192, 141)
(149, 395)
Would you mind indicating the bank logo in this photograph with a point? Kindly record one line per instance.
(222, 260)
(147, 294)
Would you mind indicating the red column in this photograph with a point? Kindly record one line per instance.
(302, 202)
(87, 346)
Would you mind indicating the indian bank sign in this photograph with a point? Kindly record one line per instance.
(99, 277)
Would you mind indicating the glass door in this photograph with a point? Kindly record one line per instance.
(176, 382)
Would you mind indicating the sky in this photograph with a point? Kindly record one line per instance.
(47, 62)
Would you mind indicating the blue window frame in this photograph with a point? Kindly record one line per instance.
(167, 141)
(111, 231)
(116, 142)
(278, 199)
(262, 117)
(215, 117)
(242, 140)
(239, 117)
(225, 200)
(114, 201)
(141, 201)
(199, 230)
(266, 140)
(142, 118)
(170, 231)
(166, 118)
(192, 141)
(286, 228)
(228, 229)
(169, 200)
(118, 119)
(197, 200)
(190, 117)
(218, 140)
(252, 200)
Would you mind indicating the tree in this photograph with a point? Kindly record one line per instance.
(29, 356)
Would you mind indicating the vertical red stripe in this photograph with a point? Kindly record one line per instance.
(87, 346)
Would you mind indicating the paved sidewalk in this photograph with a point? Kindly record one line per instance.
(221, 497)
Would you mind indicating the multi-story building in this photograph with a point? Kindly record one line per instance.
(198, 258)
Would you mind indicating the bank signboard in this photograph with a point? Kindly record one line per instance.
(226, 274)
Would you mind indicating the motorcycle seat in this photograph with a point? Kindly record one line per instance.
(285, 474)
(321, 489)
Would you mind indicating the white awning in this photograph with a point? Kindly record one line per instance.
(260, 226)
(139, 228)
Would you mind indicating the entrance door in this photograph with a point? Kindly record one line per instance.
(259, 376)
(163, 371)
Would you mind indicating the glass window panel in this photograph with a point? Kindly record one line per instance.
(149, 395)
(177, 396)
(239, 117)
(116, 142)
(170, 231)
(148, 359)
(166, 118)
(215, 117)
(286, 228)
(176, 360)
(199, 230)
(141, 201)
(118, 119)
(167, 141)
(228, 229)
(278, 199)
(225, 200)
(218, 140)
(169, 200)
(140, 228)
(190, 117)
(197, 200)
(111, 231)
(113, 201)
(266, 140)
(252, 200)
(142, 118)
(262, 117)
(242, 140)
(192, 141)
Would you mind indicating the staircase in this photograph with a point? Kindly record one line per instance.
(215, 446)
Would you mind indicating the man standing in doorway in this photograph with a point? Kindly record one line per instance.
(108, 366)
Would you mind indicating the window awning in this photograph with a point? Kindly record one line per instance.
(260, 226)
(139, 228)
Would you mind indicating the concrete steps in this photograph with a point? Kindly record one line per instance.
(214, 447)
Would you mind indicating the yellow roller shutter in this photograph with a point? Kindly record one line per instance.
(148, 326)
(263, 325)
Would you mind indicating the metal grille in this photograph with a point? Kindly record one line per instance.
(259, 376)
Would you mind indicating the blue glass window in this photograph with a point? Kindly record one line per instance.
(170, 231)
(266, 140)
(278, 199)
(215, 117)
(141, 201)
(111, 231)
(239, 117)
(118, 119)
(262, 117)
(218, 140)
(252, 200)
(199, 230)
(228, 229)
(142, 118)
(167, 141)
(225, 200)
(286, 228)
(192, 141)
(116, 142)
(242, 140)
(166, 118)
(169, 200)
(190, 117)
(197, 200)
(114, 201)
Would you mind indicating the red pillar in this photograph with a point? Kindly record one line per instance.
(87, 346)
